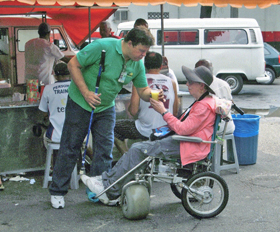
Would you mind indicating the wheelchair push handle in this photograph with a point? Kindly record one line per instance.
(235, 107)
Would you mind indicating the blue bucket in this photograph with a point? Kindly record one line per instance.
(246, 137)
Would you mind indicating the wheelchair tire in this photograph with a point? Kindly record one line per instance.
(136, 202)
(176, 190)
(213, 198)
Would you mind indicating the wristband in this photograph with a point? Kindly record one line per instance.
(164, 113)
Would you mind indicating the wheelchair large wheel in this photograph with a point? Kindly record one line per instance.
(136, 202)
(207, 196)
(176, 190)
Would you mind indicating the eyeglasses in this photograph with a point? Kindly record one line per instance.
(190, 82)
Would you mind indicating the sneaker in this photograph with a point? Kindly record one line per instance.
(84, 178)
(58, 202)
(114, 202)
(96, 186)
(91, 196)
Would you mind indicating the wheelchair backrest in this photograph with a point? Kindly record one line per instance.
(216, 128)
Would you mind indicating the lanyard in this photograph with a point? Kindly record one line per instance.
(187, 111)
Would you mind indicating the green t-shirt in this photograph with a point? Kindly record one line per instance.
(109, 86)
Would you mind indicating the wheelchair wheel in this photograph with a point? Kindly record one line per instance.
(136, 202)
(209, 195)
(176, 190)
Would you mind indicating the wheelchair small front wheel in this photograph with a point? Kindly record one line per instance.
(207, 195)
(136, 202)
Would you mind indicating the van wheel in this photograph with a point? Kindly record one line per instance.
(271, 74)
(235, 82)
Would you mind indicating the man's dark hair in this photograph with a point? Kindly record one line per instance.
(140, 22)
(153, 60)
(44, 29)
(205, 63)
(140, 35)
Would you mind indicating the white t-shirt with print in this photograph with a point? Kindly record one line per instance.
(54, 101)
(148, 118)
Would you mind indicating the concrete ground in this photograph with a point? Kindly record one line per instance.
(253, 193)
(253, 203)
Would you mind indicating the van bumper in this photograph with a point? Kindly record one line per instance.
(262, 79)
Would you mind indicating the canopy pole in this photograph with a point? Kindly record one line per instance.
(162, 30)
(89, 26)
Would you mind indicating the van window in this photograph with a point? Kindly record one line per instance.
(4, 58)
(123, 33)
(179, 37)
(58, 40)
(218, 37)
(26, 35)
(4, 44)
(253, 36)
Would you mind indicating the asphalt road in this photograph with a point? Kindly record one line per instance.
(253, 98)
(253, 194)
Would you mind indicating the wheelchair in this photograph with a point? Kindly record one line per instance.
(203, 193)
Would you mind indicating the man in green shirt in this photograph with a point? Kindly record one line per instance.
(123, 63)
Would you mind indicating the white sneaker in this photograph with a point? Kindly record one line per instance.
(58, 202)
(114, 202)
(84, 178)
(96, 186)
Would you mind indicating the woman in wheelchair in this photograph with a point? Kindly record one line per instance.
(199, 122)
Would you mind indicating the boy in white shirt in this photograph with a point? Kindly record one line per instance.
(53, 101)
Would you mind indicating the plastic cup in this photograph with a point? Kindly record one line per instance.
(155, 94)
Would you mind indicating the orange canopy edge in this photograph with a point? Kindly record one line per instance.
(107, 3)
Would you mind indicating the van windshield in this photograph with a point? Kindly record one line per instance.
(224, 36)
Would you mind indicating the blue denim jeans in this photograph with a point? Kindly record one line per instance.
(74, 132)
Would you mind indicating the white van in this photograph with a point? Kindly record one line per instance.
(14, 33)
(234, 45)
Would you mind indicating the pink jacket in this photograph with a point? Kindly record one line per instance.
(199, 123)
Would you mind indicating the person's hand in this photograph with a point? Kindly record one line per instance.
(92, 99)
(158, 106)
(161, 96)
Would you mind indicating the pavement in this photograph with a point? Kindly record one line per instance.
(253, 201)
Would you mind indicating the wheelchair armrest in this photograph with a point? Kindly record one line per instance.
(187, 138)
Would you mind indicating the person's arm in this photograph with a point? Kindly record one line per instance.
(176, 101)
(74, 68)
(134, 102)
(66, 59)
(144, 93)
